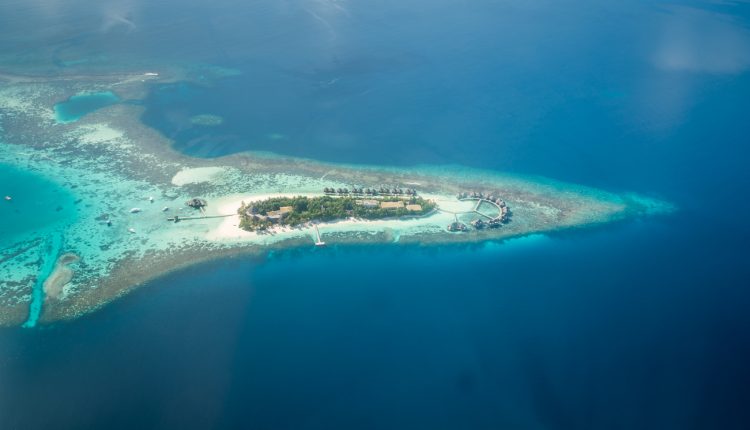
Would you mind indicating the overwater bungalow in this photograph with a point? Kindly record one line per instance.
(457, 226)
(478, 224)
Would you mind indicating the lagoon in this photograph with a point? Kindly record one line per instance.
(79, 105)
(36, 204)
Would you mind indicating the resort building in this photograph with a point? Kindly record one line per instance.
(391, 205)
(414, 208)
(368, 203)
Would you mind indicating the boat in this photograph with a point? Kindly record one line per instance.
(151, 199)
(8, 198)
(165, 208)
(135, 210)
(132, 230)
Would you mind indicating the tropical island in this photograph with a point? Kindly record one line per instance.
(294, 211)
(113, 185)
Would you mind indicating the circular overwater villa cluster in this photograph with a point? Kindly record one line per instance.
(483, 220)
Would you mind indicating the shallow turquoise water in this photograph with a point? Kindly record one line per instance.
(80, 105)
(36, 204)
(48, 255)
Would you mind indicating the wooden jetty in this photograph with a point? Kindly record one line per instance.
(178, 218)
(319, 242)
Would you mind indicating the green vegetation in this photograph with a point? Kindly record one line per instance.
(298, 210)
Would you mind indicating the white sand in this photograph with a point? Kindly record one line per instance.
(95, 134)
(198, 175)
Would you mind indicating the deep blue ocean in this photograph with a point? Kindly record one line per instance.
(641, 324)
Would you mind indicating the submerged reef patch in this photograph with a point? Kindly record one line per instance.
(206, 120)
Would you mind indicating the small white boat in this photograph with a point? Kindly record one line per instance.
(151, 199)
(135, 210)
(8, 198)
(165, 208)
(132, 230)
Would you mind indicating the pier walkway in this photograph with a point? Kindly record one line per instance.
(319, 242)
(476, 211)
(493, 221)
(178, 218)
